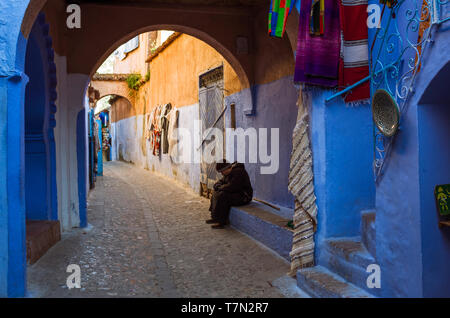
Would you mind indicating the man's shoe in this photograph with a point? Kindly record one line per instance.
(211, 221)
(218, 226)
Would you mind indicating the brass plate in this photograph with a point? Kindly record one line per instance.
(385, 112)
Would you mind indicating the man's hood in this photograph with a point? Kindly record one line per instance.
(238, 165)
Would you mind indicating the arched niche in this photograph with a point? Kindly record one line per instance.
(40, 95)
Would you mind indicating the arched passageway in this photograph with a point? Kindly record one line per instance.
(231, 30)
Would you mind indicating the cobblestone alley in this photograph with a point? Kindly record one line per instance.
(147, 238)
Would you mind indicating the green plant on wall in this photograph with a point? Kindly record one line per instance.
(134, 81)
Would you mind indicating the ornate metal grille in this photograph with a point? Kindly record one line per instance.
(396, 57)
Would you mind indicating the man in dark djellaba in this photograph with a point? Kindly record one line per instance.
(234, 189)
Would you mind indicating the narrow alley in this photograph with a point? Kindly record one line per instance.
(148, 238)
(316, 132)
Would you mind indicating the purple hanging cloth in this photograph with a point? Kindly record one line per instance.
(317, 60)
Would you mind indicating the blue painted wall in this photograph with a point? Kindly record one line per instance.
(12, 90)
(13, 48)
(410, 248)
(82, 169)
(434, 169)
(342, 144)
(16, 270)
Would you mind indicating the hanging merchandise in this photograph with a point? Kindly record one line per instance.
(173, 134)
(354, 65)
(151, 127)
(156, 142)
(155, 133)
(301, 185)
(317, 61)
(278, 14)
(147, 126)
(104, 118)
(317, 19)
(165, 127)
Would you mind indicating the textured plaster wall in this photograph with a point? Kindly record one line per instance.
(342, 146)
(410, 248)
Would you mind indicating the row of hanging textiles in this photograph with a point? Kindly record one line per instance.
(332, 44)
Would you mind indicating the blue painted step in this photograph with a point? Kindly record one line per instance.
(263, 223)
(348, 258)
(368, 232)
(320, 282)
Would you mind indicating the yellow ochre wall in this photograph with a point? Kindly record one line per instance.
(135, 60)
(175, 71)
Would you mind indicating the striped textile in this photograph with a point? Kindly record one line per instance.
(301, 185)
(354, 64)
(278, 14)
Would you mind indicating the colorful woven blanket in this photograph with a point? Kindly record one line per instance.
(278, 14)
(354, 64)
(317, 60)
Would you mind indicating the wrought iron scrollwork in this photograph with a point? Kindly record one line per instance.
(396, 57)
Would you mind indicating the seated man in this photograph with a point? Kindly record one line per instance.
(233, 189)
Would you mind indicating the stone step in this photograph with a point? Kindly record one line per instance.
(320, 282)
(368, 232)
(351, 250)
(348, 258)
(40, 237)
(262, 223)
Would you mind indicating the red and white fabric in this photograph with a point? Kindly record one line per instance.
(354, 64)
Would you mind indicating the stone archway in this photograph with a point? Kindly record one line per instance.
(110, 84)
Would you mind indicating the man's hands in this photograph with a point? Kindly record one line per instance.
(218, 184)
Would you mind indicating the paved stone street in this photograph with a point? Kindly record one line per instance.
(147, 238)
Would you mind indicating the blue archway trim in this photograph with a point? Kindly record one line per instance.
(16, 272)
